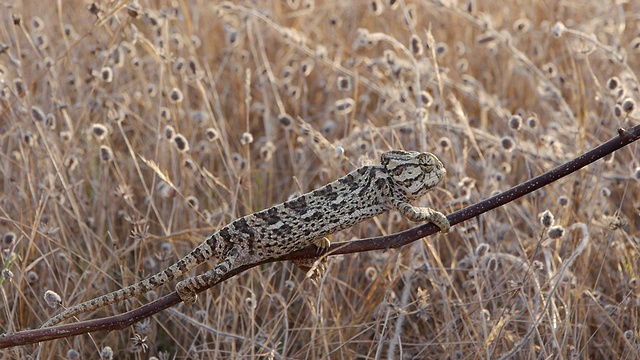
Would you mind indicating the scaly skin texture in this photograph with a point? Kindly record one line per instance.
(295, 224)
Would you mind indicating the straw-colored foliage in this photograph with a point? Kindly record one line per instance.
(131, 130)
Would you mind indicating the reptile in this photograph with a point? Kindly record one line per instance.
(305, 220)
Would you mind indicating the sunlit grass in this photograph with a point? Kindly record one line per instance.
(130, 131)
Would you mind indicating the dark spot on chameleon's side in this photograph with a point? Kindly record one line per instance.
(353, 189)
(296, 204)
(224, 247)
(270, 216)
(223, 267)
(181, 265)
(224, 233)
(365, 188)
(232, 252)
(347, 179)
(317, 215)
(380, 183)
(326, 193)
(325, 190)
(363, 170)
(283, 231)
(197, 253)
(211, 240)
(244, 229)
(152, 281)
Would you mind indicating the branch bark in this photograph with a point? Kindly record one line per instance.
(118, 322)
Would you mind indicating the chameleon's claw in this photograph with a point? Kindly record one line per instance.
(323, 244)
(441, 221)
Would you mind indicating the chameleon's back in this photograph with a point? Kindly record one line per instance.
(293, 224)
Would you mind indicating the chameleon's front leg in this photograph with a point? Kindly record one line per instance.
(418, 214)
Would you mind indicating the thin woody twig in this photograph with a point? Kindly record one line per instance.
(624, 137)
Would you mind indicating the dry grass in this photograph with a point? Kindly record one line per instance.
(129, 134)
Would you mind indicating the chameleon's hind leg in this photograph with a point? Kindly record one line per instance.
(315, 270)
(188, 288)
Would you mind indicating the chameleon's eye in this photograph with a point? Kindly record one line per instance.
(426, 167)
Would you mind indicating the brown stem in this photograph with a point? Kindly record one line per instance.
(118, 322)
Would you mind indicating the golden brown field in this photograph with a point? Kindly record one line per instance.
(129, 131)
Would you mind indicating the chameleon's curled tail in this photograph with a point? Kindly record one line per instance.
(200, 254)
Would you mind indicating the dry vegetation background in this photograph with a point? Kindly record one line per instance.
(131, 130)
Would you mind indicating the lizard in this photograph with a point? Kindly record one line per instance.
(305, 220)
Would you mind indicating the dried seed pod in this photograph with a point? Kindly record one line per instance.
(547, 219)
(212, 134)
(175, 96)
(344, 83)
(515, 122)
(522, 25)
(376, 7)
(628, 105)
(52, 299)
(285, 120)
(192, 202)
(106, 154)
(37, 114)
(181, 143)
(555, 232)
(344, 106)
(415, 45)
(246, 138)
(99, 131)
(106, 74)
(507, 143)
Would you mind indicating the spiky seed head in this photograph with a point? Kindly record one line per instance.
(181, 143)
(32, 277)
(628, 105)
(563, 200)
(7, 275)
(508, 144)
(555, 232)
(52, 299)
(613, 83)
(106, 154)
(212, 134)
(99, 131)
(285, 120)
(106, 353)
(344, 83)
(247, 138)
(175, 96)
(73, 354)
(515, 122)
(344, 106)
(547, 219)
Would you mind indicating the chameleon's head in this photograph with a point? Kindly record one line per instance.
(413, 172)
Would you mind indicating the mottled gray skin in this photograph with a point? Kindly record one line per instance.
(295, 224)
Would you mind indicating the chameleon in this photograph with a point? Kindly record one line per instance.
(305, 220)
